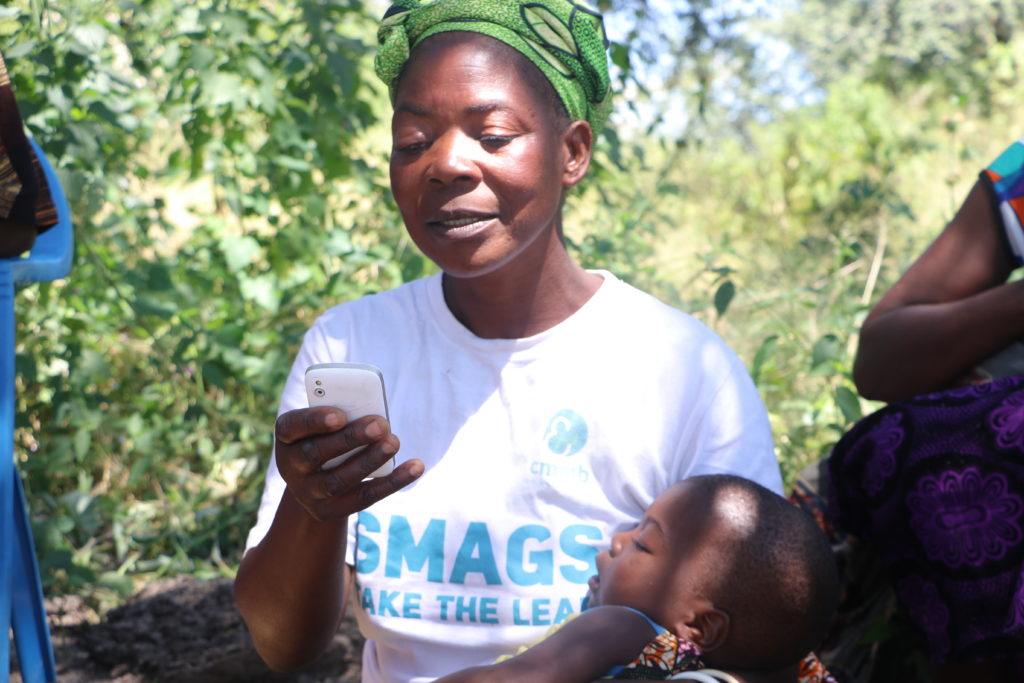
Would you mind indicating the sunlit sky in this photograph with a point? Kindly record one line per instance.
(788, 78)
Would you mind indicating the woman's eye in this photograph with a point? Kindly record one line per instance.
(496, 140)
(412, 147)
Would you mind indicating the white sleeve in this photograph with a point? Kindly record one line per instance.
(736, 436)
(314, 350)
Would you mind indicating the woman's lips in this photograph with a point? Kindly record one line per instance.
(461, 226)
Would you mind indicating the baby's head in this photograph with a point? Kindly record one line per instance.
(728, 564)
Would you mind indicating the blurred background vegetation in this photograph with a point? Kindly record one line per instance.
(772, 169)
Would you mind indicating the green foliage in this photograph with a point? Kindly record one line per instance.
(948, 45)
(224, 190)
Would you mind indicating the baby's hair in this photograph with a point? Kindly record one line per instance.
(772, 571)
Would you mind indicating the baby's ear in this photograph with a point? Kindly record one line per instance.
(709, 628)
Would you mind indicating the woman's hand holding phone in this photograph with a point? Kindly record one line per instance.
(307, 438)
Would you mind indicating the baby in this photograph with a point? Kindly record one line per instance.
(720, 573)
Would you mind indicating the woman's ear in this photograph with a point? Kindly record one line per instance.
(577, 145)
(708, 627)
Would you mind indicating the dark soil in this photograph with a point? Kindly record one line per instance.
(182, 629)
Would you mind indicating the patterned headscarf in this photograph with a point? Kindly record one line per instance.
(565, 39)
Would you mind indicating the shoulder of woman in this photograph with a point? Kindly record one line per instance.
(402, 301)
(677, 331)
(637, 304)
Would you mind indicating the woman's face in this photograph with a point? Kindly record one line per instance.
(478, 160)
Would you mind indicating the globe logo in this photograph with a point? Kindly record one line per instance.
(566, 433)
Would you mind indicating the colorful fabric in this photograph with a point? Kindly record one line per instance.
(664, 656)
(667, 656)
(24, 194)
(813, 671)
(10, 185)
(1005, 176)
(565, 39)
(936, 486)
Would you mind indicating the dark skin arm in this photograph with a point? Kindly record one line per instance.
(292, 588)
(951, 310)
(583, 650)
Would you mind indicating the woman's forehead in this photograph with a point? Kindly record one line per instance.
(453, 59)
(448, 41)
(471, 70)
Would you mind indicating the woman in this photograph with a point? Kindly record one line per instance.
(935, 482)
(542, 407)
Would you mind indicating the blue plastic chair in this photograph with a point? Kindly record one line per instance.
(21, 592)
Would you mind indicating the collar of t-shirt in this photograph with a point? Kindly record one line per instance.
(526, 348)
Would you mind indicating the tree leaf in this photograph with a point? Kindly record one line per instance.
(239, 251)
(262, 291)
(764, 353)
(158, 277)
(620, 56)
(826, 350)
(724, 296)
(88, 39)
(848, 404)
(148, 305)
(221, 88)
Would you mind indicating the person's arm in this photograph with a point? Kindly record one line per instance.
(291, 589)
(947, 313)
(581, 651)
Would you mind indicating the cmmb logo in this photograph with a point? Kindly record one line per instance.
(566, 433)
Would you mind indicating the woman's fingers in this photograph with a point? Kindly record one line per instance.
(349, 474)
(305, 422)
(307, 455)
(372, 490)
(309, 437)
(361, 495)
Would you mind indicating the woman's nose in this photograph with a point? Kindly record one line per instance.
(452, 160)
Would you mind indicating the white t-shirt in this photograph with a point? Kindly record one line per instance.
(537, 450)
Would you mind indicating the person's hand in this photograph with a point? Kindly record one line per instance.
(307, 438)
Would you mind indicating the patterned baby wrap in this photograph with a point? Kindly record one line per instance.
(667, 656)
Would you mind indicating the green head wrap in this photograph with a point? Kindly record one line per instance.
(563, 38)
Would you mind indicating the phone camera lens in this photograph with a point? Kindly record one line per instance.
(319, 392)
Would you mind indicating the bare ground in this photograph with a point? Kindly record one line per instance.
(182, 629)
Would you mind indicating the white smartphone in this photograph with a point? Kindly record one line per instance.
(355, 388)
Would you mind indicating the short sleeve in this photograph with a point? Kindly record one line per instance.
(736, 435)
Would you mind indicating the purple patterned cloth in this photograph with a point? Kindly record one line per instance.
(936, 485)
